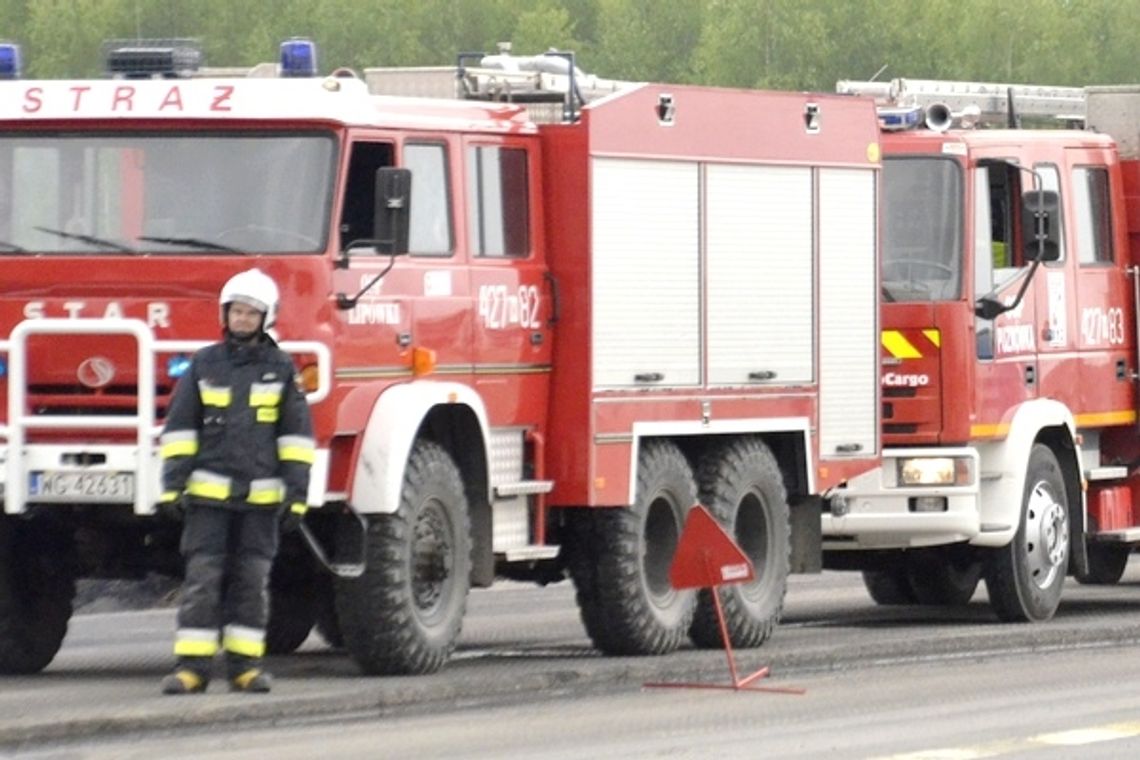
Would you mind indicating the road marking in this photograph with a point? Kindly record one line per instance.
(1074, 738)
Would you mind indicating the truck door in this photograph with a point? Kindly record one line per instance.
(512, 346)
(423, 301)
(1006, 346)
(1103, 295)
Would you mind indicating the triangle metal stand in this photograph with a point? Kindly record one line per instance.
(747, 683)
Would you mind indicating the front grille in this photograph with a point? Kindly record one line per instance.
(78, 400)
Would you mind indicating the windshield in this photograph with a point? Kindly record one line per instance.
(165, 194)
(922, 213)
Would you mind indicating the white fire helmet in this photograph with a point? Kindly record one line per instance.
(253, 288)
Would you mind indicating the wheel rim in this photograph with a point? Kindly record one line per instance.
(432, 563)
(1047, 536)
(751, 533)
(662, 533)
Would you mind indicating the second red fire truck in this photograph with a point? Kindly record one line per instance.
(530, 346)
(1009, 348)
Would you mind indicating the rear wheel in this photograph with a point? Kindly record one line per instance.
(1025, 578)
(940, 579)
(889, 587)
(403, 615)
(742, 487)
(621, 560)
(37, 585)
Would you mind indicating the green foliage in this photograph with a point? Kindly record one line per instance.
(779, 44)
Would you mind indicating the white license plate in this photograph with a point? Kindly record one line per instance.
(50, 485)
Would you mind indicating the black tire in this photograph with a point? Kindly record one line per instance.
(327, 624)
(37, 586)
(292, 612)
(889, 587)
(403, 616)
(941, 580)
(1025, 578)
(1107, 563)
(741, 485)
(621, 559)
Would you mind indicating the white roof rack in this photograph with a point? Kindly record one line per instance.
(992, 100)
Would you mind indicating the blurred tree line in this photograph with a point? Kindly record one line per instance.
(779, 44)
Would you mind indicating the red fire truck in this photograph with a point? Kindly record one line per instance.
(1008, 346)
(529, 348)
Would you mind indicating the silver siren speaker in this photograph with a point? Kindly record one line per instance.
(939, 117)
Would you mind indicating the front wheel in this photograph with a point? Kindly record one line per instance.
(1025, 578)
(742, 487)
(403, 615)
(37, 585)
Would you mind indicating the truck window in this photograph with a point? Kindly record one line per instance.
(1094, 215)
(360, 189)
(1051, 180)
(165, 193)
(498, 214)
(429, 230)
(922, 231)
(1003, 189)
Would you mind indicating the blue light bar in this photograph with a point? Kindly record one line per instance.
(298, 58)
(896, 119)
(176, 366)
(9, 60)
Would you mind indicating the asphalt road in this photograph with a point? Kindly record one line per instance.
(523, 643)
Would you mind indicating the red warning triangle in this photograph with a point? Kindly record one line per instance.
(706, 555)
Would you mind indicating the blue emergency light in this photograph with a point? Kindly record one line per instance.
(895, 119)
(176, 366)
(9, 60)
(298, 58)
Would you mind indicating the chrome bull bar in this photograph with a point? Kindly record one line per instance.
(139, 458)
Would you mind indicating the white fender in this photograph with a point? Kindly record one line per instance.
(1003, 466)
(390, 432)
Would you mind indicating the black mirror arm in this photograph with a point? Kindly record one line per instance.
(988, 308)
(344, 302)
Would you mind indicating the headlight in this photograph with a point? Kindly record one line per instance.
(935, 471)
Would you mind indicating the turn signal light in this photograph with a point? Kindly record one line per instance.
(423, 361)
(310, 378)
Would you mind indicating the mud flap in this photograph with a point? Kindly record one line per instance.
(352, 569)
(805, 516)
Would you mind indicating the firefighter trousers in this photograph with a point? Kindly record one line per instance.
(228, 555)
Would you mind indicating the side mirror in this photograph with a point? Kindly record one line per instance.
(1040, 214)
(393, 208)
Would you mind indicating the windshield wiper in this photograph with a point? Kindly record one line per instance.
(89, 239)
(192, 242)
(5, 245)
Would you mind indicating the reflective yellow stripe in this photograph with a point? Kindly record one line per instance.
(213, 395)
(898, 346)
(299, 508)
(267, 414)
(195, 648)
(934, 336)
(178, 449)
(268, 398)
(266, 496)
(243, 681)
(167, 497)
(196, 642)
(296, 454)
(243, 646)
(217, 491)
(1101, 419)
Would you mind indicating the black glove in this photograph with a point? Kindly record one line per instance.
(173, 511)
(290, 519)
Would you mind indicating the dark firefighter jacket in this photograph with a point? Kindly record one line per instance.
(238, 431)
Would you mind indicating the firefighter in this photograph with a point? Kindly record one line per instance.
(236, 451)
